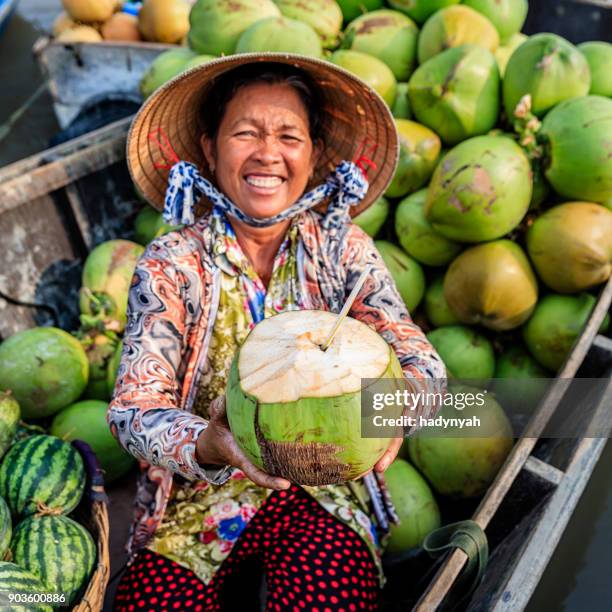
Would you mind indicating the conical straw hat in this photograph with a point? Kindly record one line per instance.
(356, 123)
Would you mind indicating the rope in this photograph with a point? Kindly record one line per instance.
(7, 126)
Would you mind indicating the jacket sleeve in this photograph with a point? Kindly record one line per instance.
(380, 305)
(143, 414)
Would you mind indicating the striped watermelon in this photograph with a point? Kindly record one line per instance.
(6, 528)
(58, 550)
(9, 419)
(15, 579)
(41, 470)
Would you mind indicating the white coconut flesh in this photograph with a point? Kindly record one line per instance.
(282, 361)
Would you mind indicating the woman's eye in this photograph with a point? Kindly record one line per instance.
(290, 138)
(250, 133)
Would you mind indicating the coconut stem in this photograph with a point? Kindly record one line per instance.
(527, 126)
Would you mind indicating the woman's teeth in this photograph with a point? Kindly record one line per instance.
(268, 182)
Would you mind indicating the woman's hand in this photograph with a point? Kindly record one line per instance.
(390, 454)
(217, 446)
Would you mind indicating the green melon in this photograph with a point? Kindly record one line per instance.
(599, 56)
(373, 217)
(10, 413)
(416, 235)
(6, 529)
(15, 579)
(58, 550)
(45, 368)
(415, 505)
(304, 424)
(41, 474)
(466, 353)
(437, 309)
(164, 67)
(406, 272)
(87, 421)
(150, 224)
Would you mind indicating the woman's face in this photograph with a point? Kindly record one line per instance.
(263, 155)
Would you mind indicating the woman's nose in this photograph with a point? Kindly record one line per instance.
(268, 151)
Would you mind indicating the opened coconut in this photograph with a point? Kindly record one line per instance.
(480, 190)
(437, 310)
(599, 56)
(576, 136)
(280, 34)
(406, 272)
(388, 35)
(216, 25)
(294, 409)
(323, 16)
(373, 217)
(454, 26)
(419, 152)
(420, 10)
(508, 16)
(571, 246)
(416, 235)
(493, 285)
(456, 93)
(547, 67)
(369, 69)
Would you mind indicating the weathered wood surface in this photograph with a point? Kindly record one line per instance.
(80, 72)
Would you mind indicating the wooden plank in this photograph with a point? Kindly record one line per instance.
(451, 568)
(80, 215)
(543, 470)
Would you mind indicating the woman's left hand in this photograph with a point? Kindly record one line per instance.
(390, 454)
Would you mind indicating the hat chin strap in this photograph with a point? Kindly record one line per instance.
(346, 185)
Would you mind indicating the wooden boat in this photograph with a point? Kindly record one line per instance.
(6, 10)
(56, 205)
(81, 73)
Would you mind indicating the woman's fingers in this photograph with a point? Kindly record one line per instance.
(259, 477)
(390, 454)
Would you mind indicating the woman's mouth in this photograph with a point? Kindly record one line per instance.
(264, 184)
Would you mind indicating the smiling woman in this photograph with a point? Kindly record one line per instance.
(248, 146)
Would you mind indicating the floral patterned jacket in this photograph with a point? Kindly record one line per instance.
(171, 312)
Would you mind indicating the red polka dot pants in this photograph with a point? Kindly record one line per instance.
(311, 561)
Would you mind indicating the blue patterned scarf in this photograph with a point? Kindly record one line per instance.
(346, 185)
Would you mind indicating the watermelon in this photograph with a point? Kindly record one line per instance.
(58, 550)
(26, 430)
(6, 528)
(18, 580)
(41, 473)
(9, 419)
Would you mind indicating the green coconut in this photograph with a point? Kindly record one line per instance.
(388, 35)
(353, 8)
(493, 285)
(599, 56)
(406, 272)
(503, 52)
(516, 362)
(456, 93)
(577, 136)
(45, 368)
(415, 505)
(480, 190)
(419, 153)
(10, 413)
(463, 467)
(198, 60)
(401, 106)
(86, 421)
(304, 423)
(555, 325)
(280, 34)
(416, 235)
(99, 346)
(216, 25)
(437, 310)
(323, 16)
(106, 280)
(420, 10)
(163, 68)
(508, 16)
(149, 224)
(369, 69)
(454, 26)
(571, 246)
(548, 68)
(113, 369)
(373, 217)
(466, 353)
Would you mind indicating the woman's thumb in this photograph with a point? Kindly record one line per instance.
(217, 408)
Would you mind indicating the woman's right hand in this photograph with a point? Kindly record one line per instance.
(217, 446)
